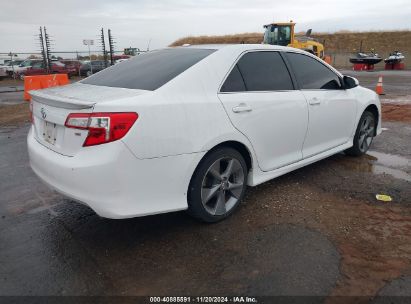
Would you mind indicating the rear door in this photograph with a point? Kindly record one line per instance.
(332, 110)
(36, 69)
(260, 99)
(58, 68)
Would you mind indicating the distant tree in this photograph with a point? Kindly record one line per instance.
(93, 57)
(96, 57)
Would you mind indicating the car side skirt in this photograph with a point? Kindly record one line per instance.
(257, 177)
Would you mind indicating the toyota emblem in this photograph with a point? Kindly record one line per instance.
(43, 113)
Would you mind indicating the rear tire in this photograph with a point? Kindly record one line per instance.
(363, 135)
(218, 185)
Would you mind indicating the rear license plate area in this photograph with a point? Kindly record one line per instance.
(50, 132)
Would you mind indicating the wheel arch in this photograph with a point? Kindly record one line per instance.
(238, 146)
(234, 144)
(372, 108)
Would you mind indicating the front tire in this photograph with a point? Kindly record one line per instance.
(218, 185)
(364, 135)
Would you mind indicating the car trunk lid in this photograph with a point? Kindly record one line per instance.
(50, 108)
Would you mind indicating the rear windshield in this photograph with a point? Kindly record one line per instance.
(149, 71)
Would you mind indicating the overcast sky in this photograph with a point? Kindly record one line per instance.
(134, 23)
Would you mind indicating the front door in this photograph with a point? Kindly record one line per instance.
(332, 110)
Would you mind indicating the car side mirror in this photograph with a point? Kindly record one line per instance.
(350, 82)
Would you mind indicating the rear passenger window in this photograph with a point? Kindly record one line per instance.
(312, 74)
(234, 82)
(150, 70)
(259, 71)
(264, 71)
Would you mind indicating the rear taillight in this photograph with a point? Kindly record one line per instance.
(102, 127)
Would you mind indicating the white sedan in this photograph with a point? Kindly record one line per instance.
(3, 72)
(191, 127)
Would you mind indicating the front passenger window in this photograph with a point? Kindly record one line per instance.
(312, 74)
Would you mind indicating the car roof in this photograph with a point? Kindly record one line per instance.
(239, 47)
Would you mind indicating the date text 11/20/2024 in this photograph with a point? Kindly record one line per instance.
(203, 300)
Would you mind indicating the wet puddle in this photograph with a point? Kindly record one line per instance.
(389, 160)
(382, 163)
(399, 174)
(400, 100)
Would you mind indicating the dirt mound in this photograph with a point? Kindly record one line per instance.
(344, 41)
(383, 42)
(396, 112)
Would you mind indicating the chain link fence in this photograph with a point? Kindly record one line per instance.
(80, 56)
(74, 55)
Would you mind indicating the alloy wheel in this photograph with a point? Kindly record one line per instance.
(222, 186)
(366, 133)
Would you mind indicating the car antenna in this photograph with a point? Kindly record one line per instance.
(148, 45)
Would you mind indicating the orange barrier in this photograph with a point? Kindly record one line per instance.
(42, 82)
(379, 88)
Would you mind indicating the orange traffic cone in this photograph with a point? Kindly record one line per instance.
(379, 88)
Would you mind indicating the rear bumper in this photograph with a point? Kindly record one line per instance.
(112, 181)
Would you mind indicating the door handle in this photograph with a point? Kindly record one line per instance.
(314, 101)
(242, 108)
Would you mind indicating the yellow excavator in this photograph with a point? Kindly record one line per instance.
(283, 34)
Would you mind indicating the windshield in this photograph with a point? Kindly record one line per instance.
(16, 62)
(277, 35)
(37, 65)
(149, 71)
(26, 63)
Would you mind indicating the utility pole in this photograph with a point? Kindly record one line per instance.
(43, 52)
(79, 74)
(48, 50)
(89, 56)
(12, 64)
(89, 42)
(103, 46)
(111, 46)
